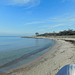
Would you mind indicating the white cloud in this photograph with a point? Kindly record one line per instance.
(27, 3)
(35, 22)
(58, 25)
(64, 21)
(16, 2)
(72, 19)
(52, 26)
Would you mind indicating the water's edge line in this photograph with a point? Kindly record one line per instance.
(23, 58)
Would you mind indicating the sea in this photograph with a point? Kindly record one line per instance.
(16, 51)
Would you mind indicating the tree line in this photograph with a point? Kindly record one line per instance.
(61, 33)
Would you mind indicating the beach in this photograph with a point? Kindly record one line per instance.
(61, 54)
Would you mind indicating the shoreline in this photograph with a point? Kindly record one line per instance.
(24, 57)
(61, 54)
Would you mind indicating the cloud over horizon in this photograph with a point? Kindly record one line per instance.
(63, 22)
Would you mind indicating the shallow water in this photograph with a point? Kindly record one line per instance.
(14, 49)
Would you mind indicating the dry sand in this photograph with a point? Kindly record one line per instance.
(61, 54)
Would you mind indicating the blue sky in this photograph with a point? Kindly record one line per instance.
(26, 17)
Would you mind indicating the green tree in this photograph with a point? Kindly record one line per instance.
(37, 33)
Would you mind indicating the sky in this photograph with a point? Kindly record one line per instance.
(26, 17)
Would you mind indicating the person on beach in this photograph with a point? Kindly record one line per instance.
(67, 70)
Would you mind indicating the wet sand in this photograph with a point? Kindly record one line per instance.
(61, 54)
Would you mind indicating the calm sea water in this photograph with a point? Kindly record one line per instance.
(16, 48)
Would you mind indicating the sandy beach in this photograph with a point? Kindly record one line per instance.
(61, 54)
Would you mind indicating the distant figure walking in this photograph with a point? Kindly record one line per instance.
(67, 70)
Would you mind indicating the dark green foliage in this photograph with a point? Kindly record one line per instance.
(65, 32)
(37, 33)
